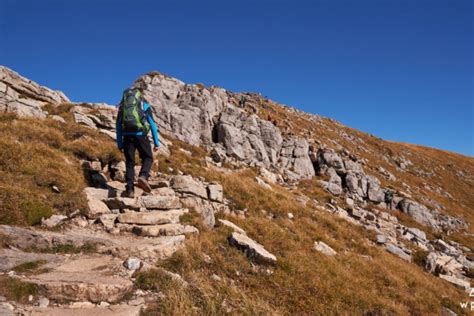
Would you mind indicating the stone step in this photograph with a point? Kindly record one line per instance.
(85, 278)
(10, 258)
(121, 246)
(164, 230)
(111, 310)
(160, 202)
(152, 218)
(122, 203)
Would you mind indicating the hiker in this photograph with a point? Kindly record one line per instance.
(388, 198)
(134, 121)
(242, 101)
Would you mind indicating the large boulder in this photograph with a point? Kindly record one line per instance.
(95, 115)
(95, 205)
(251, 248)
(328, 158)
(215, 192)
(324, 248)
(186, 184)
(374, 191)
(356, 184)
(247, 137)
(418, 212)
(442, 264)
(334, 184)
(294, 157)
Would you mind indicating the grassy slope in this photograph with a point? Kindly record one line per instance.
(361, 279)
(37, 155)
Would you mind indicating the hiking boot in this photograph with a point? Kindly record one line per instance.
(143, 184)
(129, 194)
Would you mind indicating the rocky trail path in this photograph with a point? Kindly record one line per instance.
(88, 260)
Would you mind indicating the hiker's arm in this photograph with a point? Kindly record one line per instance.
(154, 130)
(118, 129)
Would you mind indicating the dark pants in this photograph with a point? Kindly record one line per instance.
(142, 144)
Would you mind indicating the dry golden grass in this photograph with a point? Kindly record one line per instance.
(37, 155)
(361, 279)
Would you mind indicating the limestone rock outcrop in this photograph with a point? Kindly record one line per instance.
(25, 97)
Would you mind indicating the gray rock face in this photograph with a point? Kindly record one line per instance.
(327, 157)
(95, 115)
(418, 212)
(374, 192)
(215, 192)
(248, 138)
(25, 97)
(294, 157)
(334, 185)
(185, 110)
(203, 116)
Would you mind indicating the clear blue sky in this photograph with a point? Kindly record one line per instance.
(400, 69)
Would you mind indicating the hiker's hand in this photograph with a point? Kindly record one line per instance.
(156, 148)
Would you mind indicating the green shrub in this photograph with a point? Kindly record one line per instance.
(34, 211)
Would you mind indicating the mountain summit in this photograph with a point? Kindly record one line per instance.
(256, 207)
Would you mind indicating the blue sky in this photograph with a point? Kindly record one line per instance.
(399, 69)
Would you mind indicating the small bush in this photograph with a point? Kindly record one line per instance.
(154, 280)
(34, 211)
(420, 257)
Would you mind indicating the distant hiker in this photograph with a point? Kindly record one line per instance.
(134, 121)
(242, 101)
(389, 198)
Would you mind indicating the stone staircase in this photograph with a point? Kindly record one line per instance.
(96, 278)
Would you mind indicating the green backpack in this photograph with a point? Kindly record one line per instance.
(133, 116)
